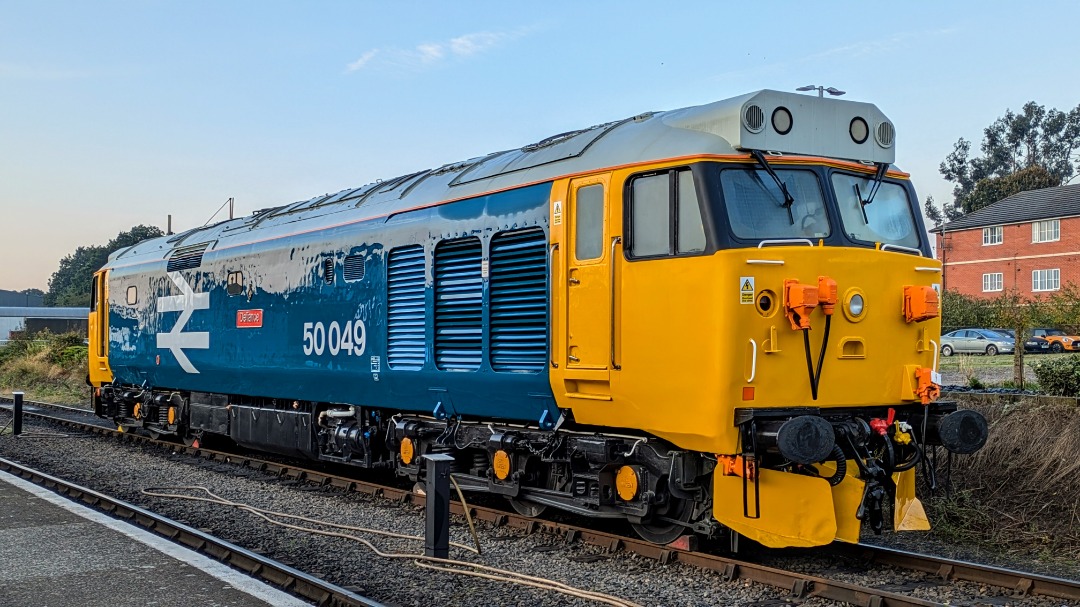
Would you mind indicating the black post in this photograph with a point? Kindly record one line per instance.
(437, 532)
(16, 424)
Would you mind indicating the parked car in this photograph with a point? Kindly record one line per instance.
(1060, 341)
(976, 341)
(1031, 344)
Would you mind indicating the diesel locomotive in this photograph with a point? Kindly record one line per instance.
(722, 318)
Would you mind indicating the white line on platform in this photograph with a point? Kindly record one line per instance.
(218, 570)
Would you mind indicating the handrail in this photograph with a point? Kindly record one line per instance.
(614, 241)
(808, 242)
(753, 363)
(551, 316)
(927, 269)
(885, 247)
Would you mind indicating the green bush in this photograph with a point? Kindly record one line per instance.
(1059, 376)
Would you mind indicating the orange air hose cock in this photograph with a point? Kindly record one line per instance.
(735, 465)
(827, 297)
(799, 302)
(927, 390)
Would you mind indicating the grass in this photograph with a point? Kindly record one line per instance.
(1021, 492)
(974, 362)
(46, 367)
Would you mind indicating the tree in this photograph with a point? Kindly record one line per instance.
(992, 189)
(1034, 138)
(37, 292)
(71, 284)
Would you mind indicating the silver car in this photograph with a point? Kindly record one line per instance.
(976, 341)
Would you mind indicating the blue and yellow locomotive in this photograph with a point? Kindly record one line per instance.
(722, 316)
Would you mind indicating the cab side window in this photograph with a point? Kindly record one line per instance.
(664, 215)
(589, 220)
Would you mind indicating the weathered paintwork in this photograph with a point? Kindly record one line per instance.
(284, 280)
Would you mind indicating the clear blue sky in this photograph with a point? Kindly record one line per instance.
(119, 113)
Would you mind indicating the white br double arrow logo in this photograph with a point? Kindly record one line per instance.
(185, 303)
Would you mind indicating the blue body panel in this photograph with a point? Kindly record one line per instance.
(299, 351)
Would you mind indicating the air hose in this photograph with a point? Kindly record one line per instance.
(841, 466)
(815, 376)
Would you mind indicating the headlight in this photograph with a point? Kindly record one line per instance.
(856, 305)
(1067, 340)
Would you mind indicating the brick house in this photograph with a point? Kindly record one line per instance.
(1029, 242)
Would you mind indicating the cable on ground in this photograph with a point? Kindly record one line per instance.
(453, 566)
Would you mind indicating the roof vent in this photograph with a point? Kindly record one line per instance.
(186, 258)
(753, 118)
(885, 134)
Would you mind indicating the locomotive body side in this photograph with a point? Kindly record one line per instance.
(305, 316)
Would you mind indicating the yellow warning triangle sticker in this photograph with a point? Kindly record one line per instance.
(746, 286)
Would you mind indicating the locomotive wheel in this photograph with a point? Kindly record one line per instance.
(664, 532)
(527, 508)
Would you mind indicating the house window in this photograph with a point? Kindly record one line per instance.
(992, 235)
(992, 282)
(1046, 231)
(1046, 280)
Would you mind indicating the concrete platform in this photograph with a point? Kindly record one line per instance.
(57, 553)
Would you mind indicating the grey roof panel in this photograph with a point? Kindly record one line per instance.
(715, 129)
(1033, 205)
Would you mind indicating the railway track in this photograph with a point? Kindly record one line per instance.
(799, 584)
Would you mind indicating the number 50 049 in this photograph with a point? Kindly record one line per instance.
(349, 340)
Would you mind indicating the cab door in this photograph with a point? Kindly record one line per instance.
(588, 275)
(98, 331)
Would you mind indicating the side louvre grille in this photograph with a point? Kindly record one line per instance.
(459, 305)
(519, 301)
(186, 258)
(354, 268)
(406, 317)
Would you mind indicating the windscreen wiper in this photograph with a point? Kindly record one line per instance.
(788, 199)
(879, 176)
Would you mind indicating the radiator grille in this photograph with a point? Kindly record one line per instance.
(406, 314)
(519, 301)
(459, 298)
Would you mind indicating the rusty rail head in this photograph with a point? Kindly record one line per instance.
(1021, 583)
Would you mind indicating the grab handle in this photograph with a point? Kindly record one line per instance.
(614, 241)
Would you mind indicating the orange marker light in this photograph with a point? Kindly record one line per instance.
(748, 393)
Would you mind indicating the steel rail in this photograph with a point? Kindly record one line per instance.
(1021, 582)
(277, 574)
(800, 585)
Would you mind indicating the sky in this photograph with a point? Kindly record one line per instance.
(119, 113)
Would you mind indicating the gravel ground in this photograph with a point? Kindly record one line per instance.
(101, 464)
